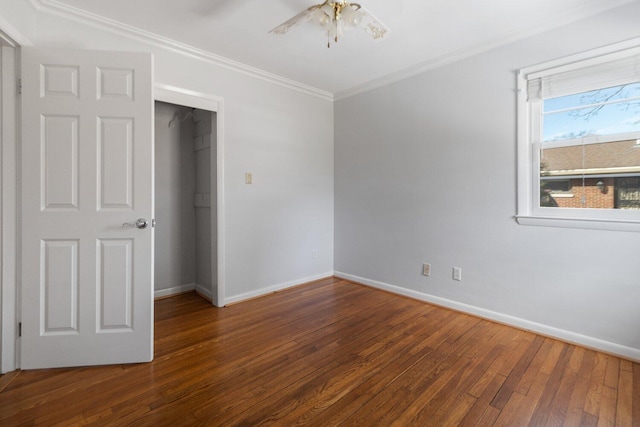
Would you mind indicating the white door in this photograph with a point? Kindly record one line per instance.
(87, 169)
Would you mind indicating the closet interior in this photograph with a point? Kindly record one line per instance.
(185, 201)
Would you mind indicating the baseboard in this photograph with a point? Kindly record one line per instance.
(204, 292)
(625, 352)
(275, 288)
(162, 293)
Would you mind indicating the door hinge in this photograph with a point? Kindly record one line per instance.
(20, 86)
(20, 329)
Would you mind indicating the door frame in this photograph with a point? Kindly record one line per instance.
(203, 101)
(9, 201)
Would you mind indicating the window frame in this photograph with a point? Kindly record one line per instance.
(529, 116)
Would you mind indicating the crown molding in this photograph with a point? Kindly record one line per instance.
(569, 17)
(55, 7)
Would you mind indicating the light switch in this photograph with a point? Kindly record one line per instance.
(248, 178)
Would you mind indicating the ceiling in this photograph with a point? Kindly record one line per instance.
(423, 32)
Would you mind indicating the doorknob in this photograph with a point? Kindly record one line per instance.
(140, 223)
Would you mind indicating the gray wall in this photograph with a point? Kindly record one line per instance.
(425, 171)
(175, 232)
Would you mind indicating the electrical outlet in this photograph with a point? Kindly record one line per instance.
(457, 273)
(426, 269)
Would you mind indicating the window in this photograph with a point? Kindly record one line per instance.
(579, 140)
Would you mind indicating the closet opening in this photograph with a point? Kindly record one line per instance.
(185, 201)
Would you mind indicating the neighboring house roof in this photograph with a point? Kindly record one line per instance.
(620, 157)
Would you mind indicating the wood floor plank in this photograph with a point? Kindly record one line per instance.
(520, 408)
(516, 374)
(588, 420)
(523, 402)
(596, 385)
(575, 409)
(453, 393)
(635, 393)
(397, 365)
(332, 353)
(544, 404)
(476, 412)
(607, 415)
(568, 383)
(624, 406)
(496, 368)
(524, 385)
(613, 372)
(397, 399)
(6, 379)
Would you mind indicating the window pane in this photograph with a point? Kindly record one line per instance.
(627, 193)
(616, 93)
(557, 185)
(603, 119)
(599, 176)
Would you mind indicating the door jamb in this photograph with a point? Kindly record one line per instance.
(203, 101)
(9, 202)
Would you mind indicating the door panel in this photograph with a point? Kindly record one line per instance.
(115, 163)
(87, 169)
(59, 286)
(59, 143)
(115, 275)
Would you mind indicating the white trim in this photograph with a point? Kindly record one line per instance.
(204, 101)
(161, 293)
(568, 18)
(582, 223)
(9, 307)
(588, 173)
(11, 36)
(192, 98)
(276, 288)
(629, 353)
(55, 7)
(219, 298)
(204, 291)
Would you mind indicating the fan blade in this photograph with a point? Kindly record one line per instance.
(303, 16)
(372, 25)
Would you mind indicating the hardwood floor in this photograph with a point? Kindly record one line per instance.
(333, 353)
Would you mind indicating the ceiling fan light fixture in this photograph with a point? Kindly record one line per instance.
(335, 17)
(351, 15)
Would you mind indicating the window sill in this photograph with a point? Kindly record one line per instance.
(590, 224)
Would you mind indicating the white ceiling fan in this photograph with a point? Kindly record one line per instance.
(336, 17)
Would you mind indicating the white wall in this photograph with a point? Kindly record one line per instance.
(426, 172)
(283, 136)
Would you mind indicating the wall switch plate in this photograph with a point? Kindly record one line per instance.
(426, 269)
(457, 273)
(248, 178)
